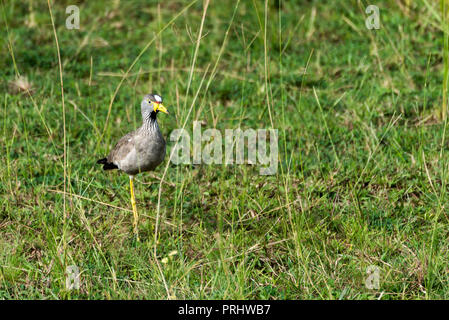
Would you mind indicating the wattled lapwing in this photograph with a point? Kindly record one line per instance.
(140, 150)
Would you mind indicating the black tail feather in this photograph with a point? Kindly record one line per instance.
(102, 161)
(107, 165)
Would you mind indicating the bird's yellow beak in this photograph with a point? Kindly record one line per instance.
(160, 107)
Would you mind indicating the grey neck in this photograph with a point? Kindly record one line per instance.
(150, 121)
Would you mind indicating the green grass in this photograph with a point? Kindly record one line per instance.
(363, 164)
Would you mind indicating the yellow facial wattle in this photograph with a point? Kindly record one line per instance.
(160, 107)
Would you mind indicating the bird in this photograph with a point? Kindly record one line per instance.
(140, 150)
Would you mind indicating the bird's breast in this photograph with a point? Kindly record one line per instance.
(150, 153)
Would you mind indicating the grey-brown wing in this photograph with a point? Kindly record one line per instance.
(122, 148)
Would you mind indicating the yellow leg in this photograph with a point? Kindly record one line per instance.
(133, 203)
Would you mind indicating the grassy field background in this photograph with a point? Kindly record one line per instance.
(363, 157)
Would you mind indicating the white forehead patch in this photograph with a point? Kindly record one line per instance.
(157, 98)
